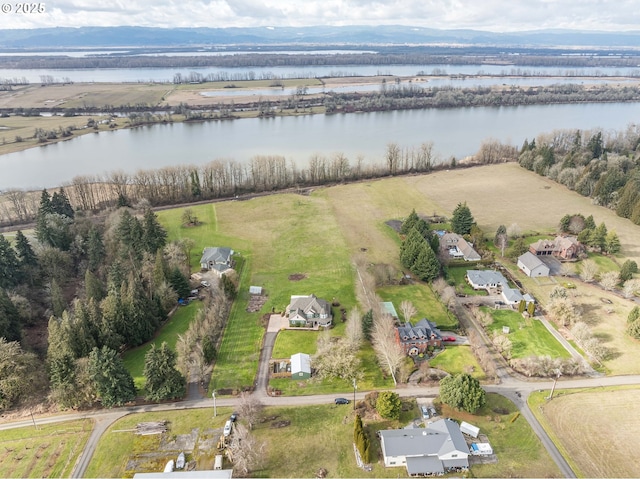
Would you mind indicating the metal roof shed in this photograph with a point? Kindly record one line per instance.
(469, 429)
(300, 366)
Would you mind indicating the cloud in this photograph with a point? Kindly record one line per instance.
(492, 15)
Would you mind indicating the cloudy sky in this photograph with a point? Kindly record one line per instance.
(492, 15)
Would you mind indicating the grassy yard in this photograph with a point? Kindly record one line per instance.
(425, 301)
(520, 452)
(605, 263)
(456, 360)
(50, 450)
(528, 337)
(458, 274)
(327, 430)
(290, 342)
(177, 324)
(595, 430)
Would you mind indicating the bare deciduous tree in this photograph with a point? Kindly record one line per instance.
(609, 280)
(408, 310)
(336, 358)
(353, 333)
(631, 287)
(383, 339)
(250, 408)
(503, 345)
(563, 310)
(245, 451)
(588, 270)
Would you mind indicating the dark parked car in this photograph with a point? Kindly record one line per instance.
(341, 401)
(233, 417)
(433, 411)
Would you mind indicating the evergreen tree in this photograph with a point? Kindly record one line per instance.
(141, 313)
(96, 252)
(518, 248)
(629, 196)
(360, 439)
(410, 248)
(367, 324)
(462, 392)
(522, 305)
(634, 314)
(58, 303)
(60, 204)
(93, 287)
(159, 270)
(163, 380)
(598, 237)
(25, 251)
(9, 265)
(627, 270)
(589, 223)
(196, 190)
(612, 245)
(501, 233)
(462, 219)
(9, 318)
(389, 405)
(426, 267)
(154, 235)
(123, 201)
(565, 222)
(409, 222)
(179, 283)
(129, 234)
(531, 308)
(113, 383)
(228, 287)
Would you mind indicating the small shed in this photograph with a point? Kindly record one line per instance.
(257, 290)
(469, 429)
(300, 366)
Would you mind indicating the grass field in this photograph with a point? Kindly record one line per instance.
(457, 360)
(325, 430)
(291, 342)
(177, 324)
(596, 430)
(528, 337)
(425, 301)
(50, 450)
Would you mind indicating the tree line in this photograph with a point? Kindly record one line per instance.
(98, 286)
(217, 179)
(601, 165)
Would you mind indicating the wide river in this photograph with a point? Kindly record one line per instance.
(455, 133)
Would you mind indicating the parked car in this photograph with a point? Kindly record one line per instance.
(227, 428)
(433, 411)
(205, 284)
(233, 417)
(341, 401)
(425, 412)
(448, 338)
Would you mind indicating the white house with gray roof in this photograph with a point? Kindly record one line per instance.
(217, 259)
(437, 449)
(495, 282)
(532, 266)
(309, 312)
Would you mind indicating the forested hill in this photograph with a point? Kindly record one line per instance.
(319, 35)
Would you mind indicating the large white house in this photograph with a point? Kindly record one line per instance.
(309, 312)
(436, 449)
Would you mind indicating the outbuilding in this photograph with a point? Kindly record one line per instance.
(469, 429)
(300, 366)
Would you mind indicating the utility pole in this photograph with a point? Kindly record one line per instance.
(354, 393)
(553, 388)
(215, 411)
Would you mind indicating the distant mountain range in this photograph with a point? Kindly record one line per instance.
(139, 37)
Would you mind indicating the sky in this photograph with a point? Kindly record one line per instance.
(488, 15)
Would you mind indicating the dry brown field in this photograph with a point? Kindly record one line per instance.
(598, 430)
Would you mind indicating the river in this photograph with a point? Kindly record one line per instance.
(456, 132)
(117, 75)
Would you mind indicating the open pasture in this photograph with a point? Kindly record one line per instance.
(595, 429)
(49, 450)
(424, 299)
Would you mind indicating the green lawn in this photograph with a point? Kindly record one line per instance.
(457, 360)
(605, 263)
(528, 337)
(290, 342)
(459, 274)
(177, 324)
(425, 301)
